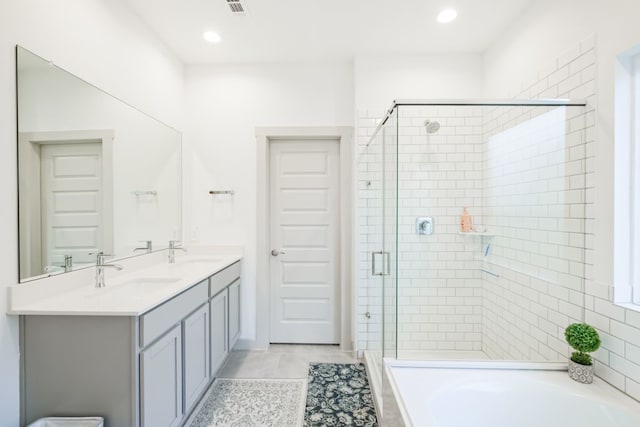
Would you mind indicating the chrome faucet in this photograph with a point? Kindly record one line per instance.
(57, 269)
(68, 263)
(100, 266)
(148, 246)
(172, 250)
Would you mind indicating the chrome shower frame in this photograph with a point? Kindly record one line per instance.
(477, 102)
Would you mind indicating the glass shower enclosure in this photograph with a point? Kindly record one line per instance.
(502, 288)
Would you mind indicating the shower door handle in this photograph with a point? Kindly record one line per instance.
(374, 271)
(385, 264)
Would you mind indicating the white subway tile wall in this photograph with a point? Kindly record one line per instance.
(527, 175)
(439, 282)
(534, 187)
(439, 288)
(573, 75)
(479, 158)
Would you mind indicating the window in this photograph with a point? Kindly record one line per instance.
(627, 179)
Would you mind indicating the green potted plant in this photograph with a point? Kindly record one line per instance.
(584, 339)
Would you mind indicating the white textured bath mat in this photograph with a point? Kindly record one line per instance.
(251, 403)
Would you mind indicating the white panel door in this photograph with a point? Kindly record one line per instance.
(71, 202)
(305, 222)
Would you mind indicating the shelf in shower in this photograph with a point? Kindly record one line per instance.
(475, 233)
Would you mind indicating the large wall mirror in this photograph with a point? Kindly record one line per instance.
(95, 174)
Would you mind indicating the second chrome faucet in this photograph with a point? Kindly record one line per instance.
(100, 266)
(172, 250)
(148, 246)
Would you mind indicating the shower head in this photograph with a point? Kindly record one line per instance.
(431, 126)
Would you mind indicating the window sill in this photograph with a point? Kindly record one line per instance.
(628, 306)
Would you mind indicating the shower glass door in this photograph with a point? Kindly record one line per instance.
(377, 253)
(370, 252)
(390, 235)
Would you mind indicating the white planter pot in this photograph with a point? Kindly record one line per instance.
(581, 373)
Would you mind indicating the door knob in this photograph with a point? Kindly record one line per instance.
(275, 252)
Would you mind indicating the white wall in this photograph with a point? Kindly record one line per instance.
(545, 30)
(379, 79)
(549, 29)
(104, 43)
(225, 103)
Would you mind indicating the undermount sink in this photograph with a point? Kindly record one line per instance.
(148, 282)
(198, 261)
(135, 286)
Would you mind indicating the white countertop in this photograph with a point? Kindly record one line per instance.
(141, 286)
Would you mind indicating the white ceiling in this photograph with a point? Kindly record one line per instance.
(310, 30)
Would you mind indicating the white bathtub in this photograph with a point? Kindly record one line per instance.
(499, 394)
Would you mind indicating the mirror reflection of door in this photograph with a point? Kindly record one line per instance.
(71, 203)
(53, 105)
(66, 199)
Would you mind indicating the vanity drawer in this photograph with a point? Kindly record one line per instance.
(162, 318)
(223, 278)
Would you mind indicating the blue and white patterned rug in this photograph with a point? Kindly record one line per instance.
(339, 395)
(251, 403)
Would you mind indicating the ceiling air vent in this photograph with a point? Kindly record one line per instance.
(236, 7)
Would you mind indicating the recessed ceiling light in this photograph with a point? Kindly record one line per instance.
(211, 37)
(447, 16)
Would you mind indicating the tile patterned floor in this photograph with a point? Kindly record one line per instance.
(281, 361)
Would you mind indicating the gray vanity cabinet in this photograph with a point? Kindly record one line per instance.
(196, 354)
(219, 330)
(161, 381)
(135, 371)
(225, 318)
(234, 313)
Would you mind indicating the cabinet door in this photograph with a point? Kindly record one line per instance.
(219, 349)
(234, 313)
(161, 381)
(196, 355)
